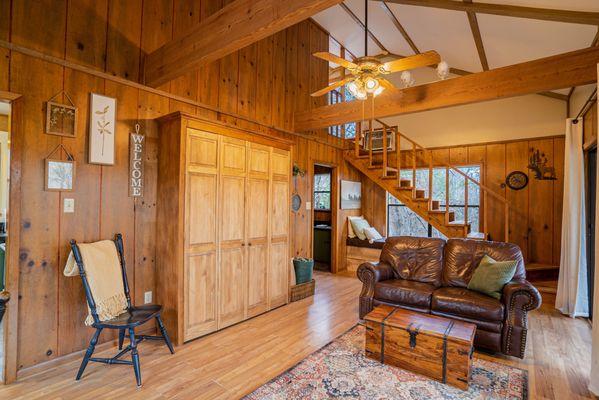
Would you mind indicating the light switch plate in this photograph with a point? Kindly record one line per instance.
(308, 205)
(69, 206)
(147, 297)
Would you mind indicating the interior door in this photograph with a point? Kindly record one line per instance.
(200, 272)
(257, 228)
(233, 271)
(279, 249)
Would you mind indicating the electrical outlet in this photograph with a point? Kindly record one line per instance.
(69, 205)
(147, 297)
(308, 205)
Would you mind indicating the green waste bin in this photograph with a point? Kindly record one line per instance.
(303, 270)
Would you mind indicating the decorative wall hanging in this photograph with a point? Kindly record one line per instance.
(102, 128)
(351, 195)
(537, 162)
(61, 119)
(60, 174)
(516, 180)
(137, 144)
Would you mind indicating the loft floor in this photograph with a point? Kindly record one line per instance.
(233, 362)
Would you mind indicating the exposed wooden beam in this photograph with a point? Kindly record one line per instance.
(399, 27)
(233, 27)
(557, 72)
(546, 14)
(478, 40)
(359, 22)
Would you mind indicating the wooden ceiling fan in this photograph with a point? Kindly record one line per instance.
(366, 73)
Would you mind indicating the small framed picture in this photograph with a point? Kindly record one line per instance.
(102, 129)
(61, 119)
(351, 195)
(60, 175)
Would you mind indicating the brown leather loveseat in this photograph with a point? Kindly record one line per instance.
(431, 275)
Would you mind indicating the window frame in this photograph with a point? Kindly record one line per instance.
(314, 192)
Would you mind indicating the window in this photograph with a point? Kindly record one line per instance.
(402, 221)
(335, 97)
(322, 192)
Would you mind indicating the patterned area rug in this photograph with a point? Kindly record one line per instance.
(340, 370)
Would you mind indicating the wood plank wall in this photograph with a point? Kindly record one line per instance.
(267, 82)
(535, 220)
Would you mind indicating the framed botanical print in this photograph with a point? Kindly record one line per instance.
(60, 175)
(102, 129)
(61, 119)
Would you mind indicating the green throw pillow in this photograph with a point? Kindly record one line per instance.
(491, 276)
(358, 225)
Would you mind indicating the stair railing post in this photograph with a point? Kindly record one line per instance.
(414, 165)
(430, 179)
(446, 194)
(384, 151)
(398, 155)
(370, 142)
(485, 207)
(507, 222)
(466, 203)
(357, 139)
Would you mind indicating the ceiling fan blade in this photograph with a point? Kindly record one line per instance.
(335, 59)
(419, 60)
(332, 87)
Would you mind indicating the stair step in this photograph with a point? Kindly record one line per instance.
(388, 177)
(410, 188)
(476, 235)
(419, 193)
(405, 183)
(421, 199)
(457, 223)
(435, 204)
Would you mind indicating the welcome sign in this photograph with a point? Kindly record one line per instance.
(136, 163)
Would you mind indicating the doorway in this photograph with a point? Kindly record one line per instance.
(591, 176)
(5, 123)
(323, 217)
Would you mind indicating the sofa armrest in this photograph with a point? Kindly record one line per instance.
(519, 297)
(369, 274)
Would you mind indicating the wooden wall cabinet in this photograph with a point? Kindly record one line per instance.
(223, 247)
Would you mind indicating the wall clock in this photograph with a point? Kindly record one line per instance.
(516, 180)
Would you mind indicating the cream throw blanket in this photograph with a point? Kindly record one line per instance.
(103, 271)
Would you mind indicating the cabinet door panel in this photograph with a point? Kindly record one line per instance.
(231, 288)
(257, 208)
(257, 275)
(278, 280)
(233, 158)
(233, 208)
(200, 295)
(259, 160)
(280, 208)
(203, 150)
(201, 206)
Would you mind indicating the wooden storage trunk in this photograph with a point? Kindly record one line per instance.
(437, 347)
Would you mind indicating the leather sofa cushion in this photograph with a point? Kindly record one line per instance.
(466, 303)
(462, 256)
(400, 291)
(415, 259)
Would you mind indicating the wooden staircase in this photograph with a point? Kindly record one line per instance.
(375, 165)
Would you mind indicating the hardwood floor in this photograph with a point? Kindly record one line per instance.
(233, 362)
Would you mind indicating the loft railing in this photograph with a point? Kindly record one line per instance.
(417, 148)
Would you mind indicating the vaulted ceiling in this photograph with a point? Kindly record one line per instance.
(504, 40)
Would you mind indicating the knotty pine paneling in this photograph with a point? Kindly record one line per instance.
(536, 211)
(113, 36)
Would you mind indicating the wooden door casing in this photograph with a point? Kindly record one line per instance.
(201, 235)
(258, 204)
(233, 257)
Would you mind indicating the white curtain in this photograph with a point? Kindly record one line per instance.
(594, 378)
(572, 287)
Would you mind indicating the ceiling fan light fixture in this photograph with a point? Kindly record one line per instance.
(361, 94)
(443, 70)
(371, 84)
(352, 87)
